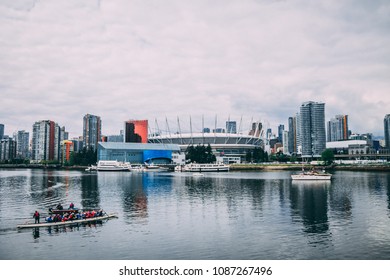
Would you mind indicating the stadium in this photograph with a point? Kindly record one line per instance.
(227, 144)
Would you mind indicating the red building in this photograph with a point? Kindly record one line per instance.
(136, 131)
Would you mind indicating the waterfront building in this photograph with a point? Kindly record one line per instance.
(66, 150)
(1, 131)
(387, 131)
(138, 153)
(225, 146)
(313, 134)
(338, 128)
(7, 149)
(77, 144)
(341, 147)
(231, 127)
(92, 131)
(22, 144)
(136, 131)
(46, 141)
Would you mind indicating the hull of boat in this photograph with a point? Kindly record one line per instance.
(68, 223)
(311, 177)
(204, 168)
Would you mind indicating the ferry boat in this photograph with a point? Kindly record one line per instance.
(203, 167)
(311, 175)
(113, 165)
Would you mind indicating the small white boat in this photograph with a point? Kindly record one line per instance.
(311, 175)
(91, 168)
(113, 165)
(205, 167)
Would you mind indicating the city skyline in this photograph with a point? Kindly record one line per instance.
(134, 60)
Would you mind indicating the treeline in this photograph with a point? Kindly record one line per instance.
(200, 154)
(85, 157)
(256, 156)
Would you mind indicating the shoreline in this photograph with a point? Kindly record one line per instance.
(344, 167)
(233, 167)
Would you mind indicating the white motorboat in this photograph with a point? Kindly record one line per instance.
(205, 167)
(311, 175)
(113, 165)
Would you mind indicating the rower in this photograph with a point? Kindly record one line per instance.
(71, 206)
(59, 206)
(36, 217)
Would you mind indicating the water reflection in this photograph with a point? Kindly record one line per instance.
(309, 200)
(135, 201)
(36, 233)
(90, 197)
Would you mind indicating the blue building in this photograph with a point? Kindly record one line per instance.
(137, 152)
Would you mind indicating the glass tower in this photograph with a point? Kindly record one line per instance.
(92, 129)
(313, 136)
(387, 130)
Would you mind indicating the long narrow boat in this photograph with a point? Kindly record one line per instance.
(67, 223)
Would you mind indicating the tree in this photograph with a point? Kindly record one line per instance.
(200, 154)
(248, 156)
(327, 156)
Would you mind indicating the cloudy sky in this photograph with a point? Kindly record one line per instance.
(250, 59)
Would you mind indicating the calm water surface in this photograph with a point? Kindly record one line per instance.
(235, 215)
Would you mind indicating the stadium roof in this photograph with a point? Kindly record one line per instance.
(138, 146)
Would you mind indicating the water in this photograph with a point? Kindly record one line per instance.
(167, 216)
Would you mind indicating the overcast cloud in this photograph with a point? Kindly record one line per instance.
(161, 59)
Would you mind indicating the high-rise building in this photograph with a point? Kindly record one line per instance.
(387, 130)
(66, 150)
(256, 129)
(280, 133)
(231, 127)
(136, 131)
(286, 142)
(313, 134)
(298, 140)
(1, 131)
(77, 144)
(291, 134)
(7, 149)
(46, 141)
(22, 144)
(92, 131)
(338, 128)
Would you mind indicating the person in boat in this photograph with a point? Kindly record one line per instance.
(49, 219)
(99, 213)
(59, 207)
(36, 217)
(71, 206)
